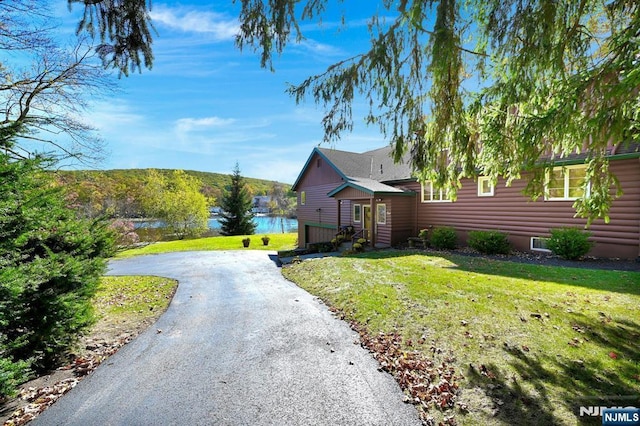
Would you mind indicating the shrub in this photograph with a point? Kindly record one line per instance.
(423, 234)
(489, 242)
(286, 253)
(357, 247)
(444, 237)
(324, 247)
(569, 243)
(50, 266)
(12, 374)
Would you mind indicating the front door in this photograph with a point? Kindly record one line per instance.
(366, 217)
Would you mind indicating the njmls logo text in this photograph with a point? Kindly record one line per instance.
(614, 416)
(597, 411)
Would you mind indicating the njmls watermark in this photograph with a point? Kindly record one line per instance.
(609, 410)
(629, 416)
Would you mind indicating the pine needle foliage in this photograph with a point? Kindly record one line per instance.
(50, 266)
(496, 88)
(236, 217)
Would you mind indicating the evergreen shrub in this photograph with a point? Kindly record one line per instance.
(443, 238)
(489, 242)
(569, 243)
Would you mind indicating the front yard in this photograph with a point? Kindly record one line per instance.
(479, 341)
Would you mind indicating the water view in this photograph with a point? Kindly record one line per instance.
(265, 224)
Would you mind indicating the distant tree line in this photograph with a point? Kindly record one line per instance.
(122, 193)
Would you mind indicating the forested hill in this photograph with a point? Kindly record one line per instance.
(118, 192)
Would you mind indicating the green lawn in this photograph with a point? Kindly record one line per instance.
(126, 298)
(277, 242)
(524, 343)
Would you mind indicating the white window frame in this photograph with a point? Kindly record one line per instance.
(303, 198)
(481, 181)
(566, 174)
(353, 214)
(441, 192)
(541, 239)
(381, 214)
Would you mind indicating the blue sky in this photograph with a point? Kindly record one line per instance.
(206, 105)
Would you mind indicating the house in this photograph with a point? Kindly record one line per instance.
(260, 204)
(384, 203)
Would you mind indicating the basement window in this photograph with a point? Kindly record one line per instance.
(539, 244)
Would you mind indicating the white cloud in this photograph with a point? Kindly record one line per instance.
(221, 27)
(185, 125)
(110, 115)
(321, 48)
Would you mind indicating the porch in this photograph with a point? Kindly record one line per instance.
(382, 219)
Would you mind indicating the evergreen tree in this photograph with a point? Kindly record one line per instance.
(236, 217)
(50, 267)
(463, 87)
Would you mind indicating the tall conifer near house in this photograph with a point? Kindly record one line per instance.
(236, 217)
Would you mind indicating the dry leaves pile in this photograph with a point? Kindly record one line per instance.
(39, 399)
(427, 384)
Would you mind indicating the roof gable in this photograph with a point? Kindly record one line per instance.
(377, 164)
(316, 152)
(372, 166)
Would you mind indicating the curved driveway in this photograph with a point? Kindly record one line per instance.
(239, 345)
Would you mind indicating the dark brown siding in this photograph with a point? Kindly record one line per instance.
(352, 193)
(383, 232)
(317, 219)
(349, 197)
(315, 233)
(510, 211)
(401, 216)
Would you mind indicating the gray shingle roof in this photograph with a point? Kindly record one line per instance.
(376, 165)
(367, 185)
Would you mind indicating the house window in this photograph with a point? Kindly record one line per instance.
(357, 213)
(485, 187)
(565, 183)
(433, 194)
(539, 244)
(381, 214)
(303, 198)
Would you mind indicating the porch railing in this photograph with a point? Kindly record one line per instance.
(363, 233)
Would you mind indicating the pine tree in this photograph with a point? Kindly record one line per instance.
(236, 217)
(50, 266)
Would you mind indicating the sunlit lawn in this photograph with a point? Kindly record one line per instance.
(527, 341)
(276, 242)
(123, 298)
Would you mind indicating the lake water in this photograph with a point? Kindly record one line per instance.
(265, 225)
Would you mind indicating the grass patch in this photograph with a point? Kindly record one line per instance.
(277, 242)
(528, 342)
(125, 306)
(129, 298)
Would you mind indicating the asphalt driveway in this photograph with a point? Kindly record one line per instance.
(239, 345)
